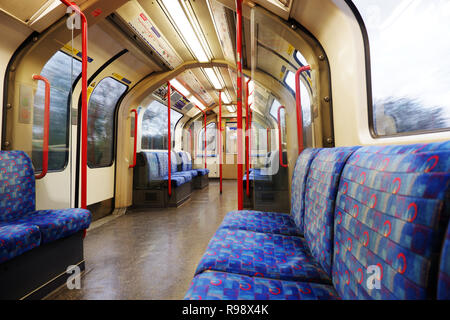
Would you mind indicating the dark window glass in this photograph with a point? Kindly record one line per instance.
(57, 71)
(154, 126)
(409, 69)
(102, 105)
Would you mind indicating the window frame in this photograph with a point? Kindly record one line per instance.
(69, 111)
(200, 132)
(370, 113)
(114, 131)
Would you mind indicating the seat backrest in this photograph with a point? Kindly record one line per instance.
(163, 160)
(320, 195)
(174, 158)
(299, 176)
(17, 185)
(186, 163)
(443, 291)
(390, 218)
(146, 170)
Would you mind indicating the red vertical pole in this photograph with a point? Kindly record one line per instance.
(280, 145)
(250, 137)
(46, 126)
(190, 141)
(84, 113)
(220, 139)
(169, 149)
(298, 104)
(239, 101)
(268, 139)
(204, 120)
(135, 138)
(247, 166)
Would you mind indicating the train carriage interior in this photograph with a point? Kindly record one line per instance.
(225, 150)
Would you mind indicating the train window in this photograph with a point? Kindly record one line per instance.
(61, 84)
(409, 76)
(154, 126)
(101, 109)
(211, 139)
(305, 97)
(231, 137)
(274, 108)
(300, 58)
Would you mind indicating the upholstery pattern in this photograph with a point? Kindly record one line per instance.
(202, 172)
(153, 166)
(320, 194)
(163, 160)
(391, 212)
(259, 221)
(17, 185)
(186, 163)
(16, 239)
(443, 292)
(298, 185)
(258, 254)
(228, 286)
(57, 224)
(176, 180)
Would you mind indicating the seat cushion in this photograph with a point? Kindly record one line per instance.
(258, 254)
(320, 196)
(17, 185)
(186, 175)
(299, 176)
(391, 214)
(202, 172)
(229, 286)
(16, 239)
(443, 292)
(57, 224)
(194, 173)
(259, 221)
(176, 180)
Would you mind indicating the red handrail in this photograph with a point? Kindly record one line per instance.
(239, 101)
(84, 113)
(250, 138)
(204, 119)
(280, 147)
(169, 143)
(135, 137)
(268, 139)
(220, 139)
(46, 126)
(247, 143)
(298, 104)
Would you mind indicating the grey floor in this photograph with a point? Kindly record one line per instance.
(151, 253)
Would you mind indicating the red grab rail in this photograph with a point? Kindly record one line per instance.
(169, 142)
(280, 153)
(298, 104)
(247, 143)
(239, 102)
(46, 126)
(220, 139)
(135, 137)
(84, 113)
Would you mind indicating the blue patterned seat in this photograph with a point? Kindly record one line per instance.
(18, 215)
(390, 216)
(202, 171)
(229, 286)
(16, 239)
(319, 201)
(259, 221)
(177, 178)
(443, 292)
(57, 224)
(278, 223)
(259, 254)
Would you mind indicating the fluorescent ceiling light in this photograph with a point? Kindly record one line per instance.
(177, 85)
(213, 78)
(194, 100)
(184, 27)
(226, 98)
(231, 108)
